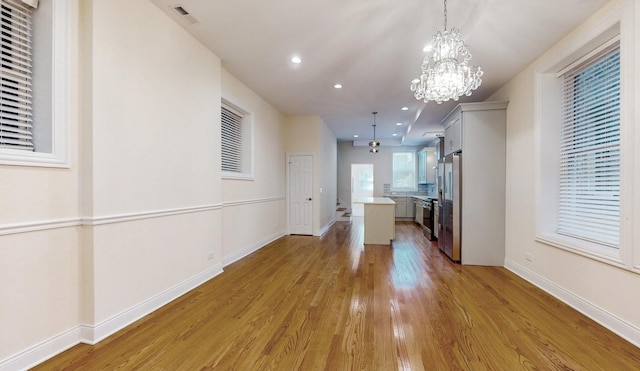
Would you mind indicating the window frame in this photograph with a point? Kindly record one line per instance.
(547, 133)
(247, 172)
(581, 154)
(414, 186)
(59, 156)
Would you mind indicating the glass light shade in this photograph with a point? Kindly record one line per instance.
(447, 74)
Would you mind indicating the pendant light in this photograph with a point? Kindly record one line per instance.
(374, 144)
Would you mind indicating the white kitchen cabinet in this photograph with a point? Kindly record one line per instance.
(422, 166)
(481, 130)
(411, 208)
(431, 161)
(452, 135)
(379, 221)
(405, 208)
(401, 206)
(427, 160)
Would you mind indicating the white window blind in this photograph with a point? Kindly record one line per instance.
(403, 170)
(232, 141)
(15, 76)
(589, 198)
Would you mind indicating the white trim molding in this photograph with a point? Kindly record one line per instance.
(123, 319)
(617, 325)
(39, 353)
(237, 255)
(44, 225)
(253, 201)
(120, 218)
(92, 334)
(38, 226)
(324, 229)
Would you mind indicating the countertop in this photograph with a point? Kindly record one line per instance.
(423, 198)
(375, 201)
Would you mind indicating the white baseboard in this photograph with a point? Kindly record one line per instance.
(324, 229)
(235, 256)
(127, 317)
(90, 334)
(43, 351)
(617, 325)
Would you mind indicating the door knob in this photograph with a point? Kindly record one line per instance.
(309, 198)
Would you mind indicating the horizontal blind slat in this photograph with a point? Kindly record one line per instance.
(589, 194)
(15, 76)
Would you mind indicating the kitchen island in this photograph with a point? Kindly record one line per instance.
(379, 220)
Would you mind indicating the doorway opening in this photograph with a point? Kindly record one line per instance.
(361, 186)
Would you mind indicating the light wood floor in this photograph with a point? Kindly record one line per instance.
(330, 303)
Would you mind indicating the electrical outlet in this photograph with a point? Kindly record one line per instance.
(528, 257)
(210, 255)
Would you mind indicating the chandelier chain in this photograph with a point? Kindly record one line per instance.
(445, 15)
(374, 144)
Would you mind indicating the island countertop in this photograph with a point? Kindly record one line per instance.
(375, 201)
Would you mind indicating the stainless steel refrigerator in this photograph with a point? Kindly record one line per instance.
(449, 205)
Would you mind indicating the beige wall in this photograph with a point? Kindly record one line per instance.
(137, 219)
(603, 291)
(310, 135)
(153, 149)
(348, 154)
(254, 210)
(328, 180)
(39, 242)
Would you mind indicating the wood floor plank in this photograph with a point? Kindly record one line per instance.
(332, 303)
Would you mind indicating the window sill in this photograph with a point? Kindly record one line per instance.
(601, 253)
(23, 158)
(237, 176)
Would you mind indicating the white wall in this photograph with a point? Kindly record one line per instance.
(310, 135)
(137, 219)
(254, 210)
(40, 243)
(605, 292)
(328, 180)
(154, 143)
(382, 167)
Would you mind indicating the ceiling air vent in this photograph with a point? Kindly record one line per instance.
(185, 14)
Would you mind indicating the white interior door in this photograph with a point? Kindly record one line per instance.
(300, 194)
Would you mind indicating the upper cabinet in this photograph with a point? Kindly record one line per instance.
(427, 160)
(422, 166)
(453, 136)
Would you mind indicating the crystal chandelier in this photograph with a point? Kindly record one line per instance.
(374, 144)
(447, 74)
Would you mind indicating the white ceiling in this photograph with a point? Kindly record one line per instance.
(374, 49)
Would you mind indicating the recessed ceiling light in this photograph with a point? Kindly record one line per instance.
(398, 124)
(355, 136)
(338, 86)
(394, 134)
(405, 108)
(296, 60)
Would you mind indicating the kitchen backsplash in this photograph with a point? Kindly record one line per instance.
(423, 190)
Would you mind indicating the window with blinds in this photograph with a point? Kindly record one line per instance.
(232, 140)
(589, 189)
(403, 171)
(15, 76)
